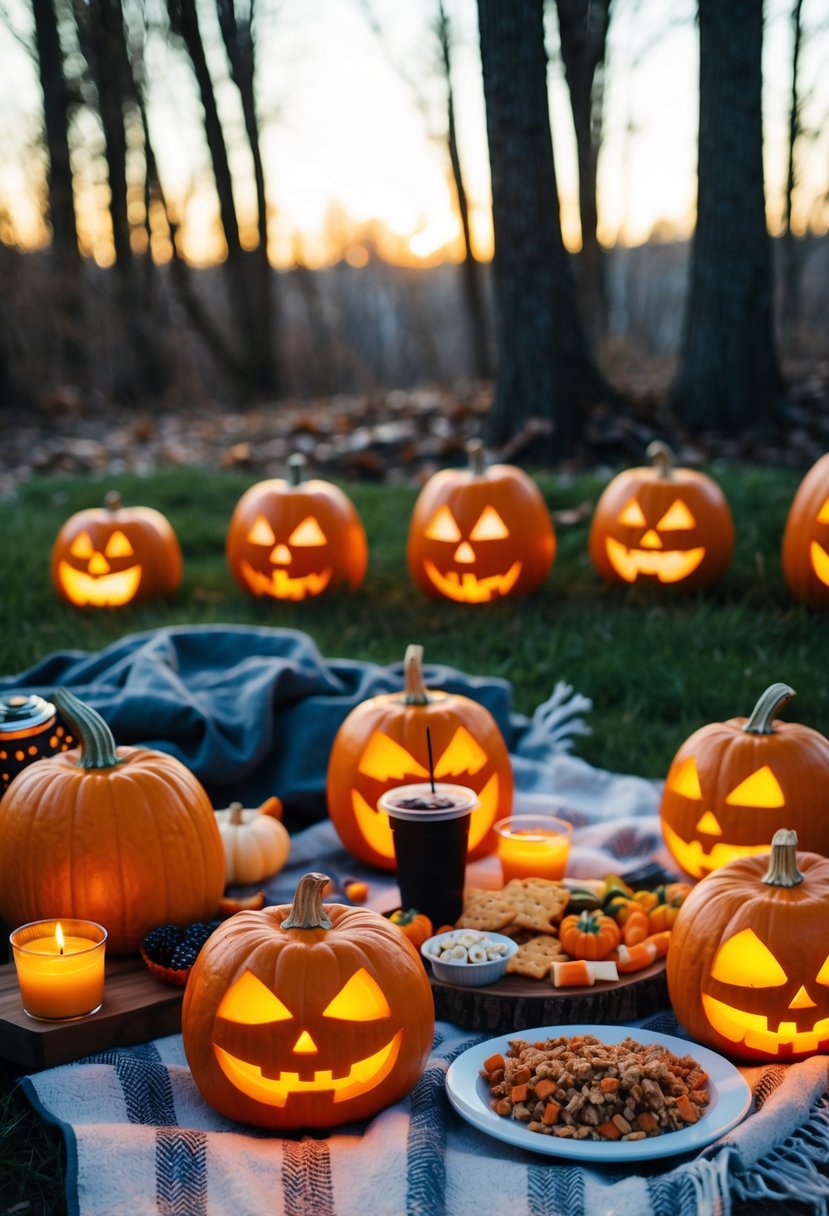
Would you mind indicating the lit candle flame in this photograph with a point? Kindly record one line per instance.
(59, 937)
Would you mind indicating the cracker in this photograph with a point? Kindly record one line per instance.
(534, 958)
(487, 910)
(539, 904)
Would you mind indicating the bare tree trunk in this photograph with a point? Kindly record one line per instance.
(583, 26)
(729, 376)
(790, 306)
(546, 367)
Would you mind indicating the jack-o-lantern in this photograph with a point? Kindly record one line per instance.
(109, 556)
(662, 524)
(306, 1016)
(732, 784)
(806, 538)
(480, 534)
(295, 539)
(382, 743)
(748, 963)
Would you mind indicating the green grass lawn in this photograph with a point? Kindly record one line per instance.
(656, 666)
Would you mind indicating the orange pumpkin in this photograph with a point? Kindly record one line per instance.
(590, 935)
(308, 1015)
(480, 534)
(806, 538)
(109, 556)
(732, 784)
(382, 743)
(748, 963)
(663, 525)
(293, 540)
(122, 836)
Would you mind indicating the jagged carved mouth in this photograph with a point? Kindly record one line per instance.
(668, 565)
(281, 586)
(275, 1090)
(466, 588)
(693, 858)
(820, 562)
(101, 590)
(753, 1030)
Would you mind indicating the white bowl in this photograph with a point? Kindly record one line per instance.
(462, 973)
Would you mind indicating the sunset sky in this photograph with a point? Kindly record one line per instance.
(345, 144)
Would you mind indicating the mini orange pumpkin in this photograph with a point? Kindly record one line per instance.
(480, 534)
(732, 784)
(382, 743)
(307, 1016)
(662, 524)
(293, 540)
(748, 963)
(110, 556)
(806, 538)
(123, 836)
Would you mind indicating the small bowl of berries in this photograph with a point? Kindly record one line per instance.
(171, 950)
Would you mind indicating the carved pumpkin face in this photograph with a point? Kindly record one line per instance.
(748, 965)
(479, 535)
(729, 788)
(294, 541)
(806, 538)
(665, 525)
(382, 744)
(306, 1026)
(105, 558)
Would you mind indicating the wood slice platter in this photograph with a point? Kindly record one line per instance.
(515, 1003)
(136, 1008)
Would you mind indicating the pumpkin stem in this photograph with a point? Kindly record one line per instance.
(113, 500)
(773, 699)
(783, 871)
(296, 468)
(95, 737)
(235, 816)
(477, 459)
(307, 911)
(415, 692)
(661, 457)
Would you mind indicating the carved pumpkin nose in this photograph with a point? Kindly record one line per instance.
(801, 999)
(464, 552)
(650, 540)
(305, 1043)
(98, 564)
(281, 555)
(709, 824)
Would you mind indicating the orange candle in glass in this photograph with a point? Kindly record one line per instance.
(60, 967)
(533, 846)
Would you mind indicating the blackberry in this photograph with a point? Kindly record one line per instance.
(184, 956)
(160, 943)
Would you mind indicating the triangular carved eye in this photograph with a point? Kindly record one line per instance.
(823, 513)
(118, 546)
(261, 532)
(684, 779)
(822, 976)
(632, 515)
(744, 960)
(386, 760)
(307, 534)
(490, 526)
(443, 527)
(82, 546)
(463, 755)
(676, 518)
(361, 999)
(251, 1003)
(761, 789)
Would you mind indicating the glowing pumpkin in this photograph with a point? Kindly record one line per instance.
(307, 1016)
(293, 540)
(122, 836)
(806, 538)
(732, 784)
(110, 556)
(662, 524)
(748, 963)
(382, 744)
(480, 534)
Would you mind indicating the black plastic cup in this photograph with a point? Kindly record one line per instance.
(431, 834)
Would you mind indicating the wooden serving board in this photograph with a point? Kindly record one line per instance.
(136, 1008)
(515, 1003)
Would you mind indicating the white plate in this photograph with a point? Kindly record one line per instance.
(730, 1098)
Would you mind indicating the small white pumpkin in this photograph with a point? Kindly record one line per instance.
(256, 844)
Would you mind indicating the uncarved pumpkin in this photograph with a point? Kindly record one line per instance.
(256, 844)
(308, 1015)
(806, 538)
(123, 836)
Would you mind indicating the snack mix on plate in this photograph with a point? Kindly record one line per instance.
(582, 1088)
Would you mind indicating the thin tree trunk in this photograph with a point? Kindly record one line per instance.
(791, 278)
(729, 376)
(546, 367)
